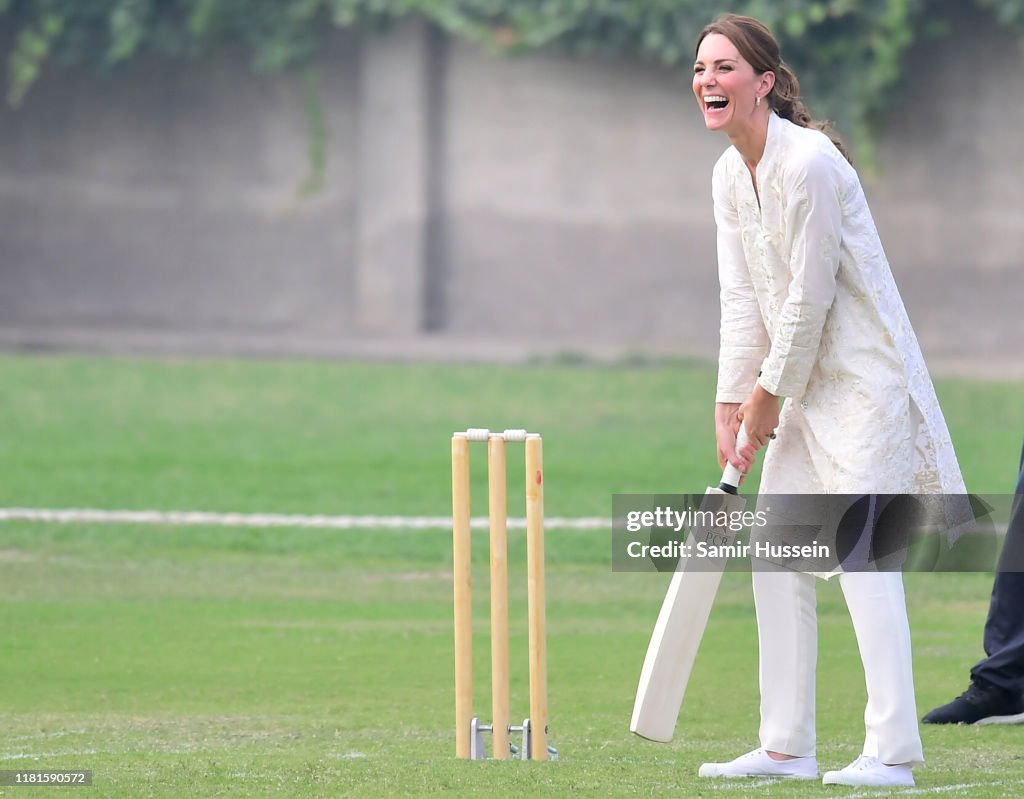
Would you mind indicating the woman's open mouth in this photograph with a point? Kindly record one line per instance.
(715, 103)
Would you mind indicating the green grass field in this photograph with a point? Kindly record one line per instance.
(194, 661)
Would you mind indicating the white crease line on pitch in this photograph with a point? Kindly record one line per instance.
(888, 791)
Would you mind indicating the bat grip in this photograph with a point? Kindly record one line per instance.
(731, 476)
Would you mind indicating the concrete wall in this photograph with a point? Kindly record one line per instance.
(474, 207)
(950, 203)
(166, 199)
(579, 207)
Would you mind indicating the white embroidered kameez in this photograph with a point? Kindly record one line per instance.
(809, 302)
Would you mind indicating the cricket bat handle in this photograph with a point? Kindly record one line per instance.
(731, 476)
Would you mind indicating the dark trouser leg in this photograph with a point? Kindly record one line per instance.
(1004, 629)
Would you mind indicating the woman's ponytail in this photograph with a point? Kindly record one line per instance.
(785, 100)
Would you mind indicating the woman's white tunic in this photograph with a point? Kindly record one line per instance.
(810, 310)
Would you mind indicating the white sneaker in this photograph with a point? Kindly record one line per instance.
(869, 771)
(759, 764)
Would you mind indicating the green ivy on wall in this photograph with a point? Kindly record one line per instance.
(847, 53)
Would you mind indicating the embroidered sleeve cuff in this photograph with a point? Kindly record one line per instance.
(737, 376)
(786, 378)
(733, 397)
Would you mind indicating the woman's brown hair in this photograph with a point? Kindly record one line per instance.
(760, 49)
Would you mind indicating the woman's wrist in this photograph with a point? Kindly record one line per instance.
(763, 396)
(724, 411)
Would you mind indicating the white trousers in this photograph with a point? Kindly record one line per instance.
(788, 637)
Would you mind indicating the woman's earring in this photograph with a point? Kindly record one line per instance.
(757, 102)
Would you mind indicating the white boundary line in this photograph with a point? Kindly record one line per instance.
(204, 518)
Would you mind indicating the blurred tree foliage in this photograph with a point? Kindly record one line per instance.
(846, 52)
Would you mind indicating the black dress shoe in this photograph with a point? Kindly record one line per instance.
(981, 703)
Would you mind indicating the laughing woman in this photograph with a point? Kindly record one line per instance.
(811, 317)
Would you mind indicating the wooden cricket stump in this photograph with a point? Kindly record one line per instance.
(469, 729)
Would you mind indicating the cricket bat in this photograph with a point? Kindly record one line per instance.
(684, 615)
